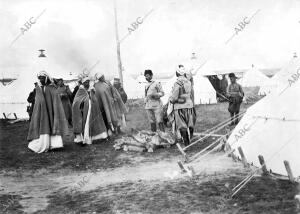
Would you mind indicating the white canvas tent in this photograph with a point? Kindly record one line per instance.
(254, 78)
(204, 91)
(13, 97)
(133, 89)
(282, 77)
(271, 129)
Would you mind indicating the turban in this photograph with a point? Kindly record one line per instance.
(180, 70)
(44, 74)
(98, 75)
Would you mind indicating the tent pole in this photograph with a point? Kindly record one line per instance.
(120, 67)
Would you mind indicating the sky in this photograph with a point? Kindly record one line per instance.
(78, 33)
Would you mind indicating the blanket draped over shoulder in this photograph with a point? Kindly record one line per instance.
(110, 102)
(48, 115)
(80, 112)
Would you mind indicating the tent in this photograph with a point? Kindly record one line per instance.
(133, 88)
(282, 77)
(13, 97)
(204, 91)
(271, 128)
(254, 78)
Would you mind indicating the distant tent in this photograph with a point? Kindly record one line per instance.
(204, 91)
(286, 74)
(132, 87)
(271, 128)
(13, 97)
(254, 78)
(141, 79)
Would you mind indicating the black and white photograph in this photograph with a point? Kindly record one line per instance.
(150, 106)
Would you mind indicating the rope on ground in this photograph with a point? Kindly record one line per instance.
(225, 121)
(214, 149)
(217, 129)
(206, 148)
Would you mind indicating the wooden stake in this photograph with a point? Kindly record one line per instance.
(289, 171)
(244, 160)
(4, 116)
(263, 165)
(181, 150)
(180, 164)
(15, 116)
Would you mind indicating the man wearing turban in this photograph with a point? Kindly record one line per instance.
(48, 123)
(184, 114)
(88, 124)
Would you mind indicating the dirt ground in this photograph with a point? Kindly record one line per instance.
(98, 179)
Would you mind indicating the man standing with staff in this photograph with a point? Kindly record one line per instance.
(153, 103)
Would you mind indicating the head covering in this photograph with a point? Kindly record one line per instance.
(98, 76)
(148, 72)
(180, 70)
(44, 74)
(232, 75)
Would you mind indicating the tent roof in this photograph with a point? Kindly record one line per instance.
(287, 71)
(253, 77)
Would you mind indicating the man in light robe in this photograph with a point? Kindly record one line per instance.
(65, 96)
(88, 123)
(48, 123)
(111, 104)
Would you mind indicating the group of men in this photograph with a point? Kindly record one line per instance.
(181, 103)
(96, 111)
(181, 106)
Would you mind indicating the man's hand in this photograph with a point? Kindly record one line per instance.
(156, 96)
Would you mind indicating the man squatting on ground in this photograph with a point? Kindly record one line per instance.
(235, 94)
(183, 105)
(153, 103)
